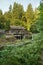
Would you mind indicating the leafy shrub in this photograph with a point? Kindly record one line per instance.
(20, 55)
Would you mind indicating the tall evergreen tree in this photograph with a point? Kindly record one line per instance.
(29, 16)
(17, 11)
(10, 8)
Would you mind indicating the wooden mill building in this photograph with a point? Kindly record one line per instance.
(19, 32)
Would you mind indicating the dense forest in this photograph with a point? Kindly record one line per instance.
(23, 53)
(17, 16)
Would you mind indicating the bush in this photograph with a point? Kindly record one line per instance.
(20, 55)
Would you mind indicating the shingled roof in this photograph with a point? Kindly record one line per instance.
(17, 27)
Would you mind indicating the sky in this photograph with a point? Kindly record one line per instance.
(4, 4)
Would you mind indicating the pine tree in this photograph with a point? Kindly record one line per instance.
(39, 23)
(29, 16)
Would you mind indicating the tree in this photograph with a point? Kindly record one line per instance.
(17, 11)
(7, 25)
(40, 20)
(36, 13)
(1, 12)
(39, 23)
(10, 8)
(2, 22)
(8, 15)
(33, 28)
(29, 16)
(18, 22)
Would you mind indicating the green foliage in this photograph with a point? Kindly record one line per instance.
(10, 8)
(8, 15)
(25, 19)
(36, 14)
(17, 22)
(24, 54)
(33, 28)
(1, 13)
(2, 22)
(17, 11)
(7, 25)
(20, 55)
(40, 20)
(29, 16)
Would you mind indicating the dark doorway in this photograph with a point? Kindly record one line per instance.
(19, 37)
